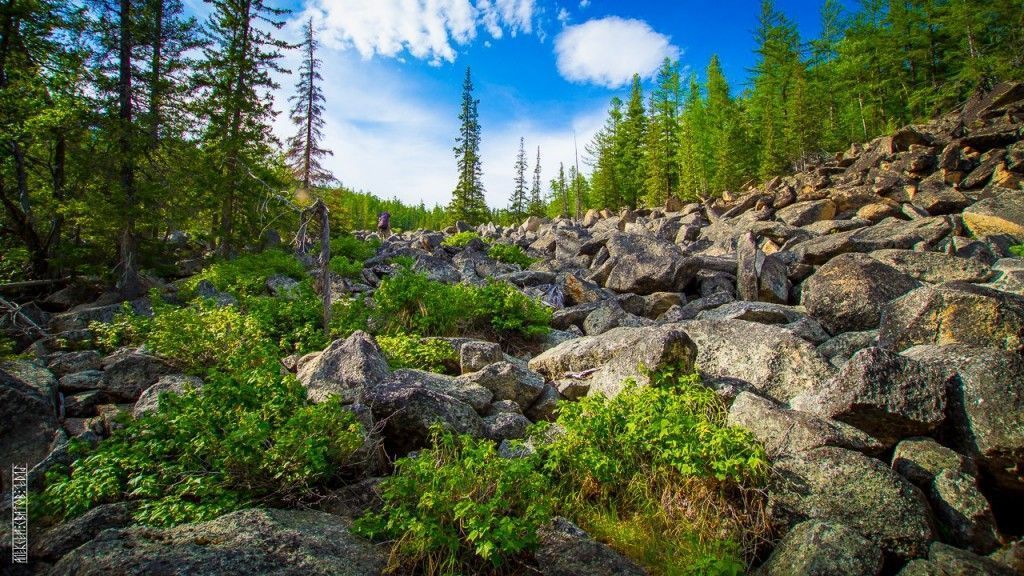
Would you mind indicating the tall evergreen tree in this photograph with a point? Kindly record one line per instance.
(694, 152)
(630, 143)
(468, 198)
(536, 206)
(603, 157)
(304, 150)
(725, 138)
(518, 202)
(662, 170)
(560, 192)
(236, 75)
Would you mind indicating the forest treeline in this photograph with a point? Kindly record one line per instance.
(124, 121)
(869, 72)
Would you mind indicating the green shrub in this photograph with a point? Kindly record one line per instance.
(345, 267)
(348, 315)
(294, 323)
(657, 473)
(509, 310)
(428, 354)
(245, 439)
(195, 337)
(458, 508)
(354, 249)
(461, 239)
(14, 263)
(1017, 250)
(247, 275)
(510, 254)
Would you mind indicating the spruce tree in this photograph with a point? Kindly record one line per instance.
(518, 202)
(236, 74)
(630, 146)
(304, 150)
(468, 202)
(560, 192)
(603, 156)
(662, 170)
(693, 156)
(536, 197)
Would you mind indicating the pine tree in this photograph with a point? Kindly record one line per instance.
(236, 74)
(304, 150)
(518, 202)
(693, 156)
(560, 192)
(536, 197)
(662, 170)
(630, 146)
(602, 156)
(468, 202)
(725, 138)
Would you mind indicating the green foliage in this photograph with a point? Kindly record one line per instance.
(293, 323)
(345, 267)
(458, 507)
(510, 254)
(1017, 250)
(13, 263)
(247, 275)
(460, 239)
(428, 354)
(353, 248)
(676, 425)
(409, 302)
(241, 440)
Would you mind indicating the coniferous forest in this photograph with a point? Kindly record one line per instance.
(773, 327)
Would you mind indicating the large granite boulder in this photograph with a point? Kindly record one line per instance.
(816, 548)
(644, 265)
(986, 406)
(127, 373)
(172, 384)
(946, 560)
(954, 312)
(408, 412)
(841, 486)
(934, 267)
(889, 233)
(772, 360)
(613, 357)
(884, 394)
(345, 368)
(254, 541)
(999, 214)
(848, 293)
(29, 429)
(565, 550)
(507, 381)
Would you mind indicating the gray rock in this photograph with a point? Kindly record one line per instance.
(694, 307)
(889, 233)
(28, 425)
(809, 329)
(773, 361)
(986, 406)
(507, 381)
(841, 486)
(82, 404)
(80, 381)
(506, 426)
(608, 316)
(839, 349)
(999, 214)
(848, 293)
(345, 368)
(963, 515)
(565, 550)
(282, 286)
(617, 354)
(70, 362)
(644, 265)
(786, 432)
(920, 460)
(475, 355)
(57, 541)
(81, 316)
(954, 312)
(809, 212)
(254, 541)
(545, 406)
(934, 267)
(759, 276)
(462, 388)
(816, 548)
(409, 412)
(149, 401)
(206, 289)
(760, 312)
(658, 303)
(945, 560)
(127, 374)
(887, 395)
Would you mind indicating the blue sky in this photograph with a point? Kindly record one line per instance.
(542, 69)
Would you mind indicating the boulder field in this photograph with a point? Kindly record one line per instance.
(864, 319)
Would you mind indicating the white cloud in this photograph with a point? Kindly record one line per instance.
(563, 16)
(426, 29)
(584, 3)
(608, 51)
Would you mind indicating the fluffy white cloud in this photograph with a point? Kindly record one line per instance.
(584, 3)
(608, 51)
(427, 29)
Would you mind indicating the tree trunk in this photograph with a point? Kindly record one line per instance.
(130, 284)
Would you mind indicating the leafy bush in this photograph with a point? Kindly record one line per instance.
(345, 267)
(509, 310)
(295, 323)
(247, 275)
(658, 474)
(458, 507)
(14, 263)
(510, 254)
(354, 249)
(244, 439)
(1017, 250)
(430, 354)
(195, 337)
(461, 239)
(409, 302)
